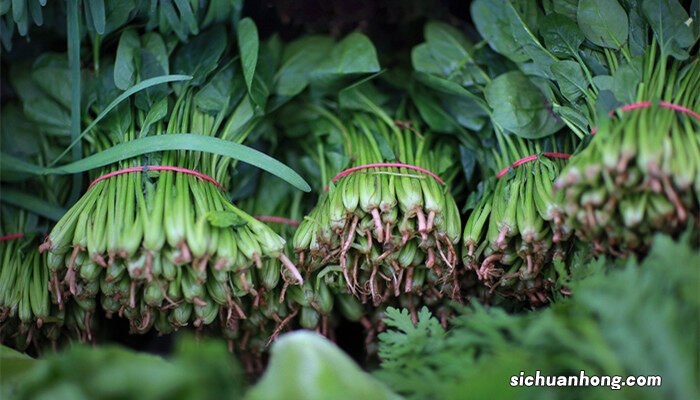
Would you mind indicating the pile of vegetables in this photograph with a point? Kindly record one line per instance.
(167, 249)
(391, 229)
(637, 175)
(154, 165)
(516, 227)
(423, 360)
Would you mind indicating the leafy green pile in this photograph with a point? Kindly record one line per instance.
(515, 228)
(200, 369)
(102, 18)
(28, 317)
(637, 175)
(168, 249)
(385, 235)
(196, 369)
(629, 319)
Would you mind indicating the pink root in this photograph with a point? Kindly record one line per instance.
(378, 227)
(422, 228)
(431, 218)
(258, 261)
(46, 246)
(409, 281)
(291, 267)
(430, 263)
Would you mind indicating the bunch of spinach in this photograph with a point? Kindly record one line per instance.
(501, 115)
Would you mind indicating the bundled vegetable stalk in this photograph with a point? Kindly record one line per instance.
(273, 312)
(515, 230)
(166, 247)
(391, 229)
(641, 172)
(28, 314)
(592, 59)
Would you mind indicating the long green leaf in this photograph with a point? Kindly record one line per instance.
(74, 63)
(150, 144)
(133, 90)
(32, 203)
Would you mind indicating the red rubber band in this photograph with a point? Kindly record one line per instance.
(384, 165)
(530, 158)
(11, 237)
(647, 104)
(278, 220)
(156, 168)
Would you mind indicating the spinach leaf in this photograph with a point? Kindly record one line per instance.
(248, 46)
(200, 56)
(603, 22)
(125, 64)
(625, 81)
(299, 58)
(670, 23)
(520, 107)
(561, 35)
(492, 22)
(216, 94)
(447, 53)
(638, 39)
(571, 80)
(354, 54)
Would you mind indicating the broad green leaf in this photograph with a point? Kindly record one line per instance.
(224, 219)
(574, 117)
(14, 364)
(97, 12)
(671, 25)
(248, 46)
(433, 113)
(625, 81)
(354, 54)
(561, 35)
(125, 64)
(17, 135)
(200, 56)
(423, 61)
(215, 96)
(52, 74)
(448, 87)
(150, 144)
(520, 107)
(570, 78)
(32, 203)
(447, 53)
(186, 15)
(299, 58)
(305, 365)
(603, 22)
(603, 82)
(154, 44)
(465, 111)
(566, 8)
(492, 22)
(54, 117)
(638, 40)
(244, 113)
(155, 114)
(117, 14)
